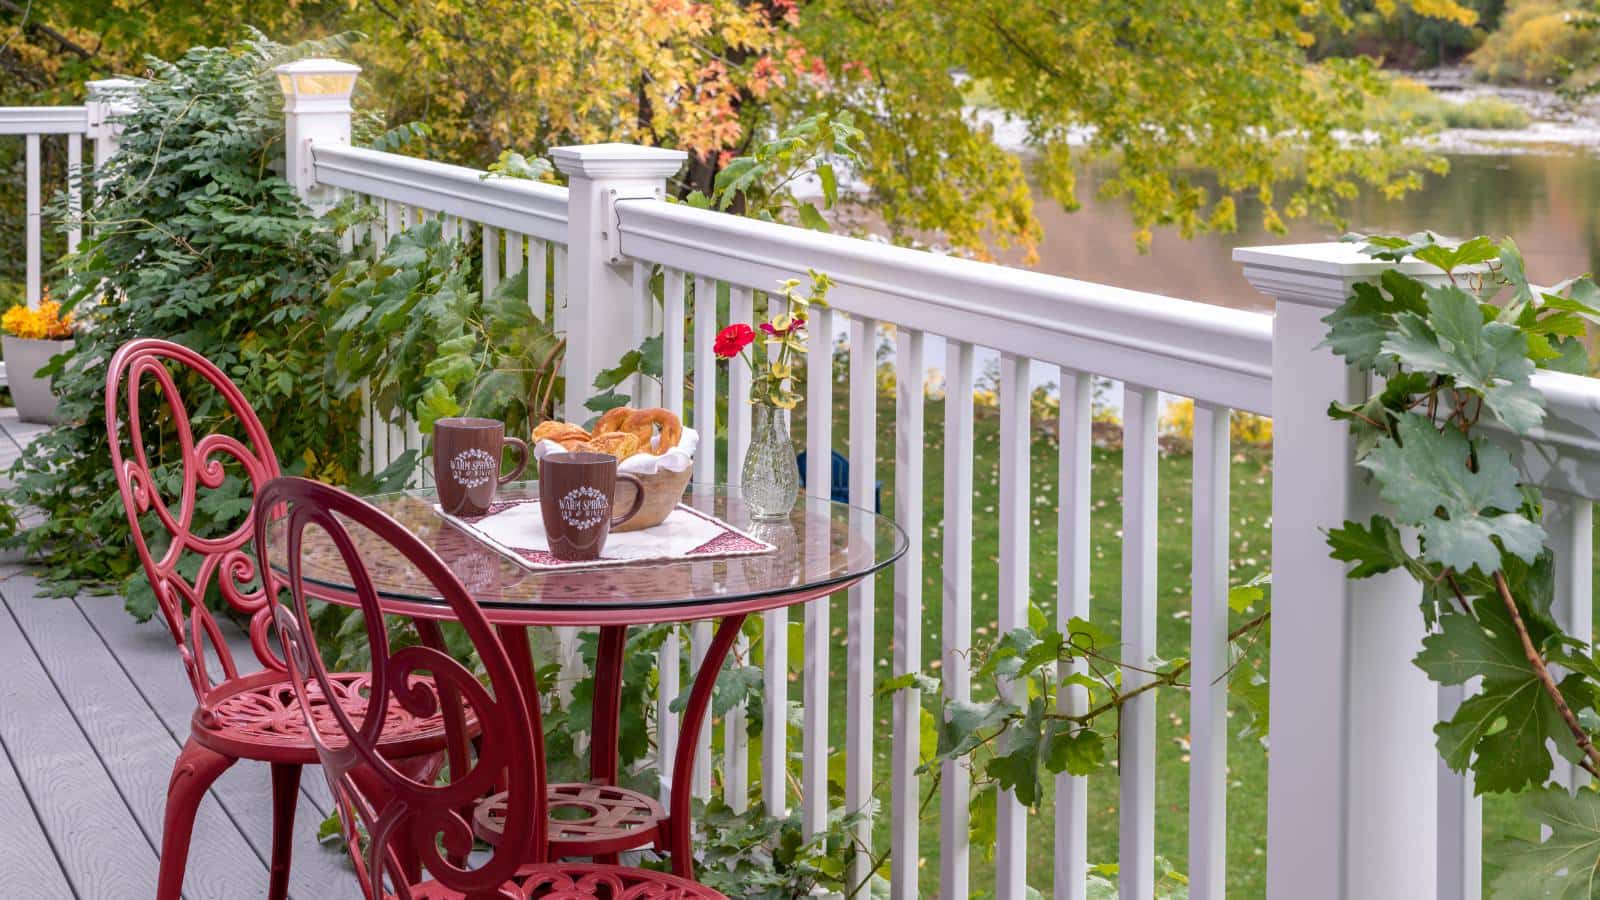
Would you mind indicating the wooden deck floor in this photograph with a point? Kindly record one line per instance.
(93, 710)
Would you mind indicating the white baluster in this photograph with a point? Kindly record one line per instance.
(860, 647)
(905, 792)
(1075, 431)
(538, 279)
(74, 191)
(1011, 827)
(705, 380)
(672, 327)
(490, 249)
(1136, 771)
(956, 669)
(31, 240)
(1208, 696)
(818, 640)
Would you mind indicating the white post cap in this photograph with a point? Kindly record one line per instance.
(627, 161)
(317, 84)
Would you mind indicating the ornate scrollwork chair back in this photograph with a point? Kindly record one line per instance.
(386, 810)
(171, 491)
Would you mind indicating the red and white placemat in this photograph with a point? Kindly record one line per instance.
(516, 529)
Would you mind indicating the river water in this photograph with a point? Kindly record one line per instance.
(1548, 201)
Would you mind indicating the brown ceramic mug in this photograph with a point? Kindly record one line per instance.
(466, 463)
(575, 494)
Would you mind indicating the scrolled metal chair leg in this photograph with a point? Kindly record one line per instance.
(285, 794)
(192, 775)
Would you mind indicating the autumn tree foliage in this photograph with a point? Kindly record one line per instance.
(1163, 98)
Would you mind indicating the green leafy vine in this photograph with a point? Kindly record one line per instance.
(1456, 354)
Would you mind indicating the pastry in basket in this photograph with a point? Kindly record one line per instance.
(652, 446)
(621, 444)
(657, 429)
(560, 432)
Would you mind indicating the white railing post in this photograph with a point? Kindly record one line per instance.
(316, 109)
(107, 100)
(1352, 789)
(599, 280)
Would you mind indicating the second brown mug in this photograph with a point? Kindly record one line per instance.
(466, 463)
(575, 494)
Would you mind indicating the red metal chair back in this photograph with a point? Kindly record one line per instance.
(407, 813)
(201, 465)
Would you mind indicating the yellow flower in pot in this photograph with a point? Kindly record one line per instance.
(30, 338)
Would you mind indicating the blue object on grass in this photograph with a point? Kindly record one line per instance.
(839, 477)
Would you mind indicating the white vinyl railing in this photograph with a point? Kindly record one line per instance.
(519, 224)
(35, 124)
(94, 120)
(1219, 357)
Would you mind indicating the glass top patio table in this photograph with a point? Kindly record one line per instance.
(821, 547)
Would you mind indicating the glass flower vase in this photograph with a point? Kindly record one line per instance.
(771, 479)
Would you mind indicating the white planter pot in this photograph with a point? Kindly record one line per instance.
(35, 398)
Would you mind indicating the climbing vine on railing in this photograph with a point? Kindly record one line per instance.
(1455, 355)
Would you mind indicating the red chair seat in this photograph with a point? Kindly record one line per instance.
(577, 881)
(586, 819)
(256, 716)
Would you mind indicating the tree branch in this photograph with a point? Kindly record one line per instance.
(61, 40)
(1591, 761)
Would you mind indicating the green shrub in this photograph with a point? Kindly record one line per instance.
(1538, 43)
(1412, 104)
(195, 240)
(1484, 112)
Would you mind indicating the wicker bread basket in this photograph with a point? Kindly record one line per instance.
(662, 492)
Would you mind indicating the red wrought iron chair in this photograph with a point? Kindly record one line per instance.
(237, 716)
(422, 681)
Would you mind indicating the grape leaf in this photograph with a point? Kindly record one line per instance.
(1502, 731)
(1017, 770)
(1454, 341)
(1566, 866)
(1357, 329)
(1374, 548)
(1426, 472)
(1076, 753)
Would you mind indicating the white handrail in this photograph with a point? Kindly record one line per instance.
(1211, 353)
(525, 207)
(44, 120)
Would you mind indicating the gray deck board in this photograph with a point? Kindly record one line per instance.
(245, 790)
(99, 844)
(93, 710)
(30, 859)
(137, 749)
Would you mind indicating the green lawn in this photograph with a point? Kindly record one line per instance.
(1251, 503)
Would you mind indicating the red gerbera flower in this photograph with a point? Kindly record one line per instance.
(732, 339)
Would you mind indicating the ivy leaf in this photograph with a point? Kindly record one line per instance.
(1566, 866)
(1426, 473)
(1490, 359)
(1375, 548)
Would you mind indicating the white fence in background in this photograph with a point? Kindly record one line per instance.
(1358, 805)
(94, 120)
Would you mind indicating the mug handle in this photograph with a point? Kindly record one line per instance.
(522, 460)
(638, 498)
